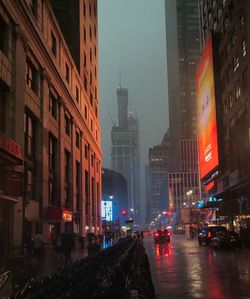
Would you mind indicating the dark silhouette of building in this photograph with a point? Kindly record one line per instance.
(125, 150)
(183, 51)
(114, 188)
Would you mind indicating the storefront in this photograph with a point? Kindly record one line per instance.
(10, 189)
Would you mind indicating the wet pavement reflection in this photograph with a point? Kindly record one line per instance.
(183, 269)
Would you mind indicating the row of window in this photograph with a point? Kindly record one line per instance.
(235, 95)
(90, 9)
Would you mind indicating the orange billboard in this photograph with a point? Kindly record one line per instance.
(206, 112)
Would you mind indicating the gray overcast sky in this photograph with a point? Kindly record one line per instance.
(132, 37)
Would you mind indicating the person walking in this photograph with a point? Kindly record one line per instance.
(67, 245)
(38, 245)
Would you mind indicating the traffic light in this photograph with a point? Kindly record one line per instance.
(124, 212)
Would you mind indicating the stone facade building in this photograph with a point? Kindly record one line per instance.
(50, 109)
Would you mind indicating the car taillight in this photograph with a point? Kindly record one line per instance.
(156, 234)
(168, 234)
(209, 235)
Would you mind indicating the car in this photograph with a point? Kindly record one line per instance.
(205, 234)
(162, 235)
(226, 240)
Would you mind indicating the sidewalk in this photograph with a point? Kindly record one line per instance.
(53, 259)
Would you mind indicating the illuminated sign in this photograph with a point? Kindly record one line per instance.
(107, 210)
(67, 216)
(206, 112)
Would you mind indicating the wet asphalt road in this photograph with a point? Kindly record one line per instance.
(183, 269)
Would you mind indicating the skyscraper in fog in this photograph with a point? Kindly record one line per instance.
(183, 50)
(125, 149)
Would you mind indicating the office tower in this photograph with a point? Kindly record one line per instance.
(224, 27)
(125, 150)
(44, 93)
(158, 168)
(183, 51)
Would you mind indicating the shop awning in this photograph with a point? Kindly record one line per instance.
(10, 151)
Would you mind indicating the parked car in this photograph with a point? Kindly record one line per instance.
(205, 234)
(162, 235)
(226, 239)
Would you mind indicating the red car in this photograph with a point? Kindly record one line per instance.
(162, 235)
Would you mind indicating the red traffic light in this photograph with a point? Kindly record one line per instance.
(124, 212)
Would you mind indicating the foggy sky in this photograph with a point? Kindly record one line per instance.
(132, 38)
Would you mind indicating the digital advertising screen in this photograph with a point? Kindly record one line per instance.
(107, 210)
(206, 112)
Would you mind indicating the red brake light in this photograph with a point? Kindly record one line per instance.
(168, 234)
(209, 234)
(156, 234)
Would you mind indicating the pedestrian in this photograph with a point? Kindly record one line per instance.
(93, 248)
(67, 245)
(38, 245)
(59, 248)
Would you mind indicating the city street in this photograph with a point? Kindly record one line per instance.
(183, 269)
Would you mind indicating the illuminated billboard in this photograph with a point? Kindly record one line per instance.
(107, 210)
(206, 112)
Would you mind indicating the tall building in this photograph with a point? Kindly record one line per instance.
(229, 179)
(46, 89)
(183, 51)
(125, 150)
(158, 168)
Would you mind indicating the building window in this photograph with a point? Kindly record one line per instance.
(33, 7)
(95, 9)
(86, 151)
(91, 99)
(90, 32)
(67, 125)
(90, 55)
(237, 91)
(85, 83)
(91, 124)
(67, 71)
(244, 78)
(87, 192)
(84, 34)
(236, 63)
(67, 179)
(85, 112)
(231, 100)
(92, 160)
(78, 185)
(52, 153)
(77, 94)
(90, 10)
(84, 9)
(3, 36)
(53, 44)
(90, 77)
(93, 196)
(96, 111)
(95, 30)
(31, 76)
(29, 135)
(29, 184)
(242, 21)
(77, 139)
(53, 106)
(95, 93)
(95, 72)
(84, 59)
(95, 51)
(234, 35)
(244, 48)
